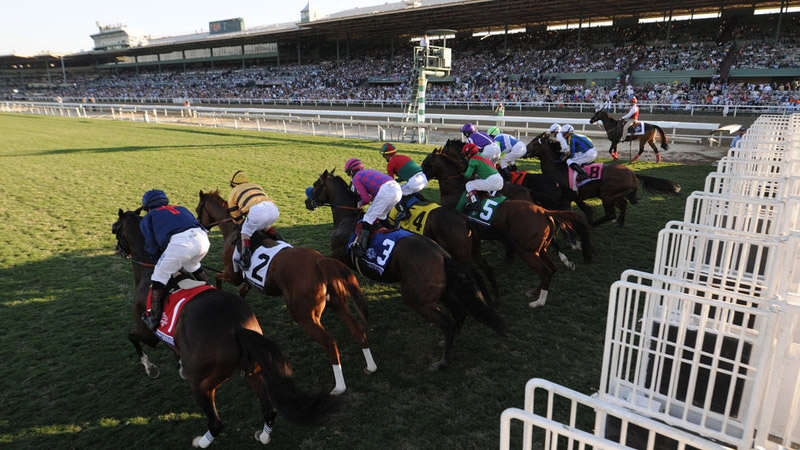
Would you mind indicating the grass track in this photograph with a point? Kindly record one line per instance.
(69, 377)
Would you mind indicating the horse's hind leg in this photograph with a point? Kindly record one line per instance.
(205, 398)
(263, 435)
(341, 309)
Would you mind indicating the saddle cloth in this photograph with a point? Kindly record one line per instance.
(594, 170)
(173, 305)
(381, 247)
(260, 261)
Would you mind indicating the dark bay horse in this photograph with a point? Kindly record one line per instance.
(307, 281)
(217, 335)
(617, 186)
(531, 227)
(611, 125)
(428, 276)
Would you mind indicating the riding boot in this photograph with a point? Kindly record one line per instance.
(201, 275)
(636, 157)
(402, 210)
(472, 202)
(359, 245)
(582, 175)
(152, 317)
(658, 157)
(244, 259)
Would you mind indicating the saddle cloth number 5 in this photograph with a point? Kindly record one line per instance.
(488, 210)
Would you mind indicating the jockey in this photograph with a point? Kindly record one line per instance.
(375, 187)
(555, 135)
(512, 149)
(174, 236)
(581, 151)
(485, 143)
(251, 208)
(633, 115)
(487, 177)
(405, 169)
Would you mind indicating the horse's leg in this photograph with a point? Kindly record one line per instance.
(268, 412)
(622, 205)
(477, 256)
(341, 309)
(423, 301)
(136, 338)
(535, 262)
(608, 207)
(205, 398)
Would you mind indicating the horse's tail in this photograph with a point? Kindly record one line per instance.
(571, 222)
(343, 283)
(260, 354)
(465, 289)
(659, 185)
(664, 141)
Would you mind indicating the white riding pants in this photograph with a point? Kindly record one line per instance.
(414, 184)
(260, 217)
(583, 158)
(516, 152)
(493, 183)
(388, 196)
(184, 251)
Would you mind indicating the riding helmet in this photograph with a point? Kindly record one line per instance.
(388, 149)
(154, 198)
(238, 178)
(353, 164)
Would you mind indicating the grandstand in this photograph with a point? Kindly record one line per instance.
(676, 53)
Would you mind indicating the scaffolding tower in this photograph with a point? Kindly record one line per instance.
(429, 61)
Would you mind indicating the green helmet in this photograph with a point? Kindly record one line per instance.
(493, 131)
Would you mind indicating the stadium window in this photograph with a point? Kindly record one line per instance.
(761, 11)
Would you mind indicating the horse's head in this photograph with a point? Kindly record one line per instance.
(211, 208)
(330, 189)
(130, 240)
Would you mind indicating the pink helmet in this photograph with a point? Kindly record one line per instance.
(353, 164)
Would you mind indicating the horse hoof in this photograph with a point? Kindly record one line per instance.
(338, 391)
(262, 437)
(369, 372)
(536, 304)
(437, 366)
(153, 372)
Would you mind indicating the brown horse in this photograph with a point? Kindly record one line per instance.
(613, 129)
(531, 227)
(217, 335)
(616, 187)
(428, 276)
(307, 280)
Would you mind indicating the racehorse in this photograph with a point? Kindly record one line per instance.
(617, 186)
(612, 131)
(531, 227)
(217, 335)
(428, 276)
(307, 281)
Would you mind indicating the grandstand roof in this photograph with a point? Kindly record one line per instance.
(413, 18)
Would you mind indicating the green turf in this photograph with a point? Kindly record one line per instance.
(69, 377)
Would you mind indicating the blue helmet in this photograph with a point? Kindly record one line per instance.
(154, 198)
(468, 128)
